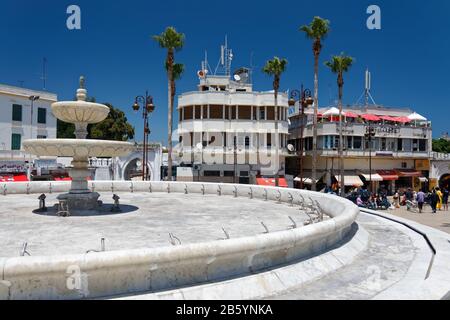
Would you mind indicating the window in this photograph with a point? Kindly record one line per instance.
(42, 115)
(247, 142)
(269, 140)
(262, 113)
(215, 112)
(16, 141)
(198, 112)
(349, 142)
(415, 145)
(188, 110)
(233, 112)
(270, 113)
(228, 173)
(357, 142)
(245, 112)
(400, 144)
(255, 114)
(211, 173)
(422, 145)
(17, 112)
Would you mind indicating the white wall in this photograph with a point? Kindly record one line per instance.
(12, 95)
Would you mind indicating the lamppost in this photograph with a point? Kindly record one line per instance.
(147, 107)
(32, 99)
(370, 133)
(305, 99)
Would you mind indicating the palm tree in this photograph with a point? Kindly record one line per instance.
(173, 41)
(339, 65)
(317, 30)
(275, 68)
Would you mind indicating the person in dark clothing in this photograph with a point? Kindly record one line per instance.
(434, 200)
(445, 199)
(409, 195)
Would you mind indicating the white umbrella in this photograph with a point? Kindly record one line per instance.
(416, 117)
(332, 112)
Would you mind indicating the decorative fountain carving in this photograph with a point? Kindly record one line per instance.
(81, 113)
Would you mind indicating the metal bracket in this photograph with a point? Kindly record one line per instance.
(265, 227)
(174, 240)
(24, 251)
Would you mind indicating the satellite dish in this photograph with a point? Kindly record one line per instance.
(291, 148)
(237, 77)
(199, 146)
(138, 163)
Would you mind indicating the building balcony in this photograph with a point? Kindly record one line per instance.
(359, 129)
(334, 153)
(220, 125)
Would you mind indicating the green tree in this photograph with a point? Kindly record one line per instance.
(441, 145)
(173, 41)
(339, 65)
(275, 68)
(317, 30)
(114, 127)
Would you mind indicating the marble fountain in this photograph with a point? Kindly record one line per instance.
(80, 199)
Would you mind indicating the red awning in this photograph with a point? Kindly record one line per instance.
(409, 173)
(370, 117)
(388, 118)
(351, 115)
(16, 178)
(402, 119)
(388, 175)
(271, 182)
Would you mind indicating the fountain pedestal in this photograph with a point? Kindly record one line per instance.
(80, 197)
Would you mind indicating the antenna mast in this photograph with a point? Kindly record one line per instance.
(367, 87)
(44, 72)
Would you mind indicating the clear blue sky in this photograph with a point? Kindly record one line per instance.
(409, 57)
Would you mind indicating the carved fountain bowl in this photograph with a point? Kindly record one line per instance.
(77, 147)
(80, 111)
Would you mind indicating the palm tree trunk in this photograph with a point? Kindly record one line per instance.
(277, 160)
(341, 141)
(316, 108)
(169, 115)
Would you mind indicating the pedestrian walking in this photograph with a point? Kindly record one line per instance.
(434, 200)
(445, 199)
(420, 198)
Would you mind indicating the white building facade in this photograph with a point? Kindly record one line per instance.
(228, 132)
(397, 156)
(19, 122)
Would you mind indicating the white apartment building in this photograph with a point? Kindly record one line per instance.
(19, 122)
(228, 132)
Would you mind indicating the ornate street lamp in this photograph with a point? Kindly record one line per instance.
(147, 108)
(304, 97)
(370, 133)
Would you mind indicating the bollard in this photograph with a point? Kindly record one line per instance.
(265, 195)
(4, 189)
(291, 200)
(42, 207)
(203, 189)
(251, 193)
(50, 188)
(235, 192)
(131, 187)
(185, 189)
(150, 187)
(116, 205)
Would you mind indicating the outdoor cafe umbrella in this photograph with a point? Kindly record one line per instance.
(416, 117)
(332, 112)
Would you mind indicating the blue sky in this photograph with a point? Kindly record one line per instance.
(408, 57)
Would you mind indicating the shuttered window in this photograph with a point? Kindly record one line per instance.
(42, 115)
(16, 141)
(17, 112)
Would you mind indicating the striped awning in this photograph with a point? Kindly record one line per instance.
(372, 177)
(388, 175)
(350, 181)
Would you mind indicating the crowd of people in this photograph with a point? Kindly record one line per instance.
(437, 198)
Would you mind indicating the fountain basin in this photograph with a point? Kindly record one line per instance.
(80, 111)
(77, 147)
